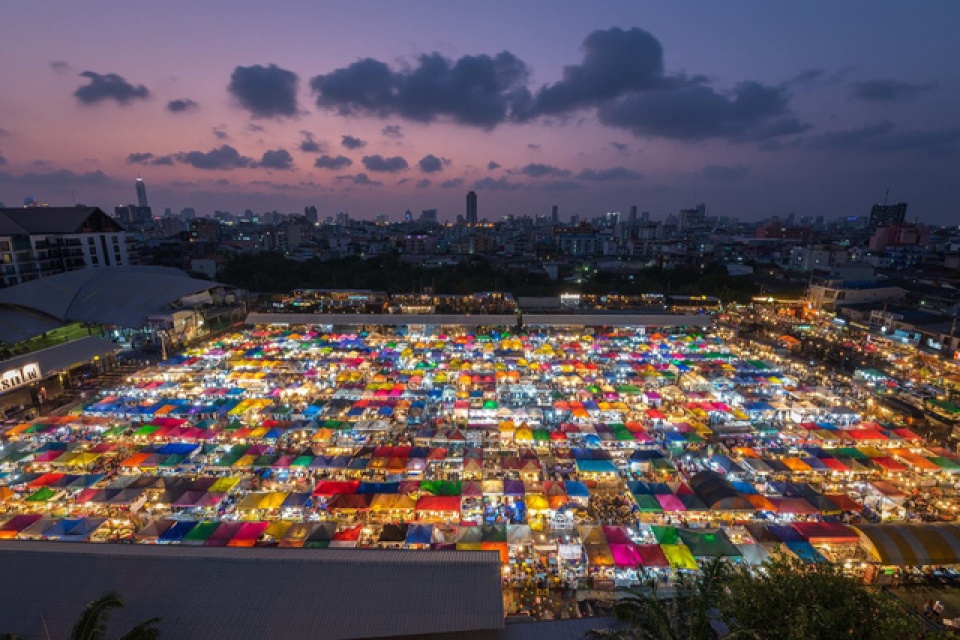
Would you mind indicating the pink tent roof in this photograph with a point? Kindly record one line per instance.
(670, 502)
(626, 555)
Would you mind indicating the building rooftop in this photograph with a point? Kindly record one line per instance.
(123, 296)
(255, 593)
(40, 220)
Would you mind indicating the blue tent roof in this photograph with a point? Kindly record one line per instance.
(576, 489)
(379, 487)
(596, 466)
(806, 552)
(420, 534)
(177, 531)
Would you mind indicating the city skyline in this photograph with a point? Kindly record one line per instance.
(592, 109)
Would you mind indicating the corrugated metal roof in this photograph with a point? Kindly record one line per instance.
(257, 593)
(529, 319)
(64, 356)
(122, 296)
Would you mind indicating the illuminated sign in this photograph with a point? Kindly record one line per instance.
(16, 378)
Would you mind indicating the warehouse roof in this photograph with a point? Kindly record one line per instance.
(259, 593)
(123, 296)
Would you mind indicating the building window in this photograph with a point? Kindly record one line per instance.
(95, 261)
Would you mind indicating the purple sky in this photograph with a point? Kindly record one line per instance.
(755, 108)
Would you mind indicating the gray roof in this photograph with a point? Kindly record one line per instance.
(529, 319)
(257, 593)
(39, 220)
(122, 296)
(64, 356)
(18, 324)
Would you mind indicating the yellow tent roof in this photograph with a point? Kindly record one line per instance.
(679, 556)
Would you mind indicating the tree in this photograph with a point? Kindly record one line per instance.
(92, 623)
(685, 614)
(790, 600)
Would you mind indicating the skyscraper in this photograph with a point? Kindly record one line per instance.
(141, 193)
(884, 215)
(555, 214)
(471, 207)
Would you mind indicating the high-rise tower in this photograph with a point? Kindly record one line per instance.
(141, 193)
(471, 207)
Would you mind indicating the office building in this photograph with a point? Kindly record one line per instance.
(141, 193)
(472, 207)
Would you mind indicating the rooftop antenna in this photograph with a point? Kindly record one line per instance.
(886, 194)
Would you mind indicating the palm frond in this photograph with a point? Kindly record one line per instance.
(92, 623)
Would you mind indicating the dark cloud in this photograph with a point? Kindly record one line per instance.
(752, 111)
(430, 163)
(606, 175)
(329, 162)
(380, 164)
(224, 157)
(813, 77)
(109, 86)
(455, 183)
(392, 131)
(182, 105)
(849, 138)
(60, 179)
(885, 137)
(807, 75)
(615, 62)
(360, 179)
(309, 144)
(493, 166)
(621, 75)
(533, 146)
(621, 147)
(422, 184)
(60, 66)
(255, 128)
(724, 172)
(3, 160)
(279, 159)
(266, 92)
(220, 133)
(477, 90)
(561, 185)
(888, 90)
(496, 184)
(935, 143)
(4, 132)
(149, 158)
(350, 142)
(538, 170)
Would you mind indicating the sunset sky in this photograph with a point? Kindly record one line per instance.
(754, 108)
